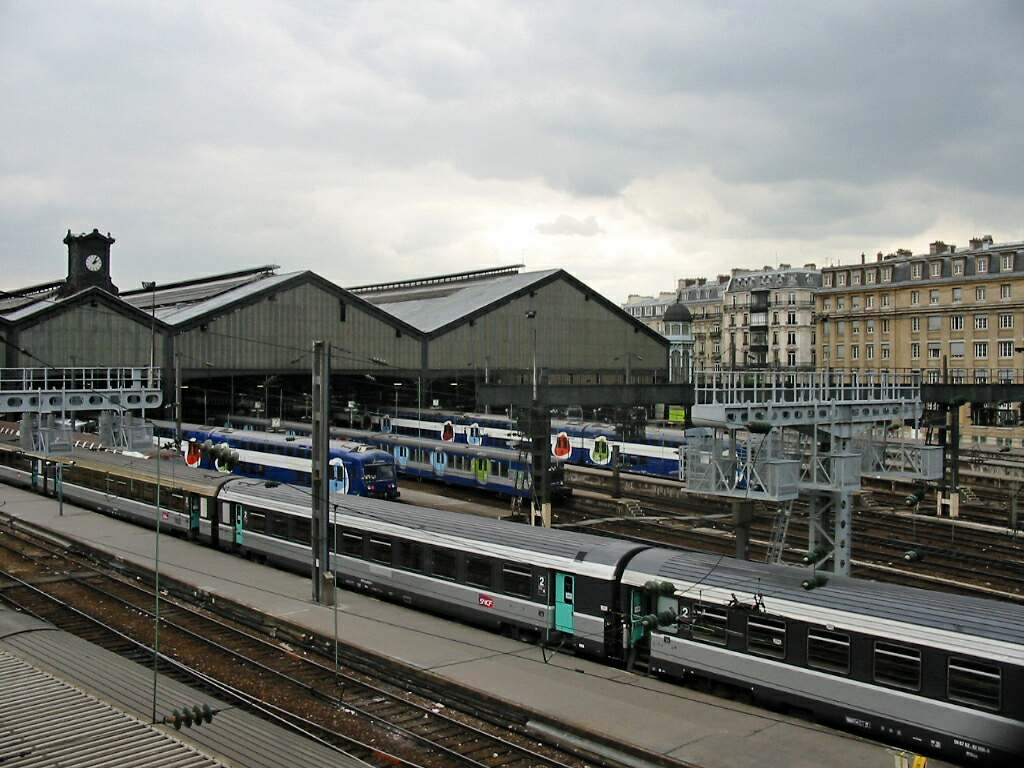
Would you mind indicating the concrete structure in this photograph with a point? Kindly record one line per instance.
(959, 310)
(768, 318)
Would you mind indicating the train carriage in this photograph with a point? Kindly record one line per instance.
(938, 673)
(536, 582)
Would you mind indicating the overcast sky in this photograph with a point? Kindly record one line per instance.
(629, 143)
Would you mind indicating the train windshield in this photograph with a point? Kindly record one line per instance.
(381, 473)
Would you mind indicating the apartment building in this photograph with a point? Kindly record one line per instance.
(768, 318)
(920, 312)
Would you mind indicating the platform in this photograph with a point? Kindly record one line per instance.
(672, 720)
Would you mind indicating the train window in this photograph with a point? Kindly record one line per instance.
(380, 551)
(410, 556)
(255, 520)
(478, 572)
(973, 683)
(710, 624)
(828, 650)
(766, 637)
(351, 544)
(517, 580)
(898, 666)
(444, 564)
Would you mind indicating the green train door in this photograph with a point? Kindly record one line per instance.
(564, 600)
(238, 516)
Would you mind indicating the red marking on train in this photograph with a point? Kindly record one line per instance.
(486, 601)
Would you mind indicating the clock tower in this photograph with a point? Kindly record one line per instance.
(88, 262)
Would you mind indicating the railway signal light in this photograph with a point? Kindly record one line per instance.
(916, 497)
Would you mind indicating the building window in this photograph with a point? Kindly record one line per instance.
(982, 264)
(979, 293)
(936, 269)
(956, 350)
(974, 683)
(887, 274)
(956, 323)
(886, 299)
(766, 636)
(897, 665)
(869, 351)
(854, 352)
(1006, 320)
(933, 296)
(980, 350)
(886, 323)
(915, 298)
(1007, 263)
(915, 351)
(958, 295)
(958, 267)
(981, 322)
(829, 651)
(916, 271)
(886, 352)
(869, 302)
(1005, 291)
(915, 324)
(934, 351)
(1005, 349)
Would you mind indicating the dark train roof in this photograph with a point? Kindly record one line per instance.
(576, 552)
(906, 613)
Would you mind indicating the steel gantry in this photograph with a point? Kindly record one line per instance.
(779, 436)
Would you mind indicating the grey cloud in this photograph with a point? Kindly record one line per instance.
(569, 225)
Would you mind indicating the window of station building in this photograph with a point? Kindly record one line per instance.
(897, 665)
(829, 651)
(956, 323)
(766, 636)
(710, 624)
(410, 556)
(444, 564)
(915, 324)
(981, 322)
(974, 683)
(981, 350)
(936, 269)
(982, 264)
(958, 295)
(1005, 349)
(1006, 320)
(934, 322)
(956, 349)
(915, 297)
(478, 572)
(1005, 291)
(380, 550)
(351, 543)
(933, 296)
(516, 580)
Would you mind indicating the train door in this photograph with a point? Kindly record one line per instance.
(238, 521)
(564, 602)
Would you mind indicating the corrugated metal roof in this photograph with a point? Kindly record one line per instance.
(177, 315)
(45, 722)
(235, 737)
(430, 314)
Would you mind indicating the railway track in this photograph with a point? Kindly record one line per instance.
(381, 722)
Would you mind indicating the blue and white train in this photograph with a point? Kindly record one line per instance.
(355, 468)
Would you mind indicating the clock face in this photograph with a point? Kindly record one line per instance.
(93, 263)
